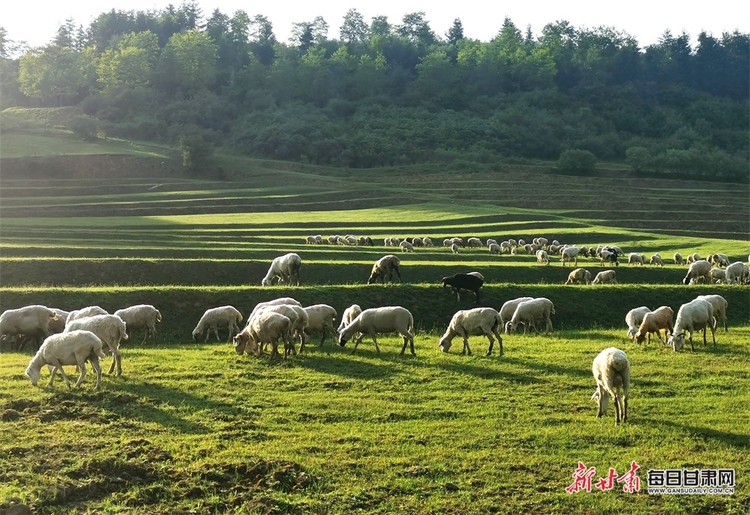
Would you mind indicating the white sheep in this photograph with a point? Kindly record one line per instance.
(656, 260)
(454, 248)
(110, 329)
(406, 246)
(388, 319)
(719, 260)
(719, 305)
(542, 256)
(692, 258)
(284, 268)
(267, 327)
(141, 316)
(214, 319)
(678, 259)
(310, 240)
(31, 321)
(738, 272)
(89, 311)
(529, 312)
(320, 320)
(636, 259)
(611, 370)
(494, 248)
(473, 322)
(634, 318)
(447, 242)
(698, 269)
(474, 242)
(579, 276)
(654, 322)
(383, 269)
(695, 315)
(58, 326)
(427, 242)
(69, 348)
(491, 241)
(349, 314)
(717, 275)
(273, 302)
(605, 277)
(296, 314)
(509, 307)
(569, 253)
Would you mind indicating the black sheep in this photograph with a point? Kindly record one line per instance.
(467, 282)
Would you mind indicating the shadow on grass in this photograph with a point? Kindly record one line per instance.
(549, 368)
(738, 440)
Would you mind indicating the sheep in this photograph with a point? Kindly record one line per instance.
(333, 239)
(89, 311)
(719, 260)
(505, 246)
(284, 268)
(457, 241)
(141, 316)
(611, 370)
(349, 314)
(110, 329)
(635, 259)
(692, 258)
(719, 305)
(529, 312)
(542, 256)
(320, 320)
(699, 268)
(717, 275)
(215, 318)
(267, 327)
(474, 242)
(273, 302)
(605, 277)
(678, 259)
(654, 322)
(737, 272)
(521, 243)
(693, 316)
(491, 241)
(509, 307)
(476, 274)
(387, 319)
(542, 242)
(318, 239)
(31, 320)
(383, 269)
(459, 282)
(656, 260)
(296, 314)
(310, 240)
(427, 242)
(406, 246)
(69, 348)
(608, 256)
(455, 249)
(473, 322)
(447, 242)
(634, 318)
(58, 326)
(569, 253)
(579, 276)
(494, 248)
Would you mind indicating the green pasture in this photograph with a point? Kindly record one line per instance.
(195, 428)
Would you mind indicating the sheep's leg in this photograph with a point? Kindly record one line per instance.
(98, 369)
(81, 364)
(411, 344)
(625, 407)
(691, 341)
(617, 408)
(466, 349)
(713, 334)
(216, 333)
(375, 341)
(398, 273)
(492, 343)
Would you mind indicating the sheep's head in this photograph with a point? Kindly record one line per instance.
(265, 282)
(677, 341)
(640, 337)
(508, 327)
(196, 334)
(33, 374)
(239, 345)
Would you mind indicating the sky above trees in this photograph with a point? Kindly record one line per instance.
(643, 19)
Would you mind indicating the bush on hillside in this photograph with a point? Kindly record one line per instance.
(580, 162)
(85, 127)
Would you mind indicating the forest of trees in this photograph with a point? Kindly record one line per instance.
(388, 93)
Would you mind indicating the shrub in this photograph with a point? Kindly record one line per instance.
(195, 151)
(85, 127)
(581, 162)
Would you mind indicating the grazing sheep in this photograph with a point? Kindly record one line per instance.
(654, 322)
(284, 268)
(505, 247)
(390, 319)
(474, 242)
(738, 272)
(473, 322)
(656, 260)
(110, 329)
(608, 256)
(717, 275)
(605, 277)
(693, 316)
(273, 302)
(509, 307)
(447, 242)
(634, 318)
(468, 282)
(636, 259)
(296, 314)
(719, 305)
(719, 260)
(320, 320)
(214, 319)
(494, 248)
(579, 276)
(678, 259)
(454, 248)
(611, 370)
(406, 246)
(267, 328)
(69, 348)
(141, 316)
(457, 241)
(349, 314)
(476, 274)
(31, 320)
(569, 253)
(700, 268)
(529, 312)
(310, 240)
(427, 242)
(383, 269)
(490, 241)
(89, 311)
(333, 239)
(692, 258)
(542, 256)
(58, 326)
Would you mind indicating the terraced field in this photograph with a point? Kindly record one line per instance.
(201, 430)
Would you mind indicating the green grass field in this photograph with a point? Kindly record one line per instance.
(193, 428)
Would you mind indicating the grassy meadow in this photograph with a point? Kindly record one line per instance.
(194, 428)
